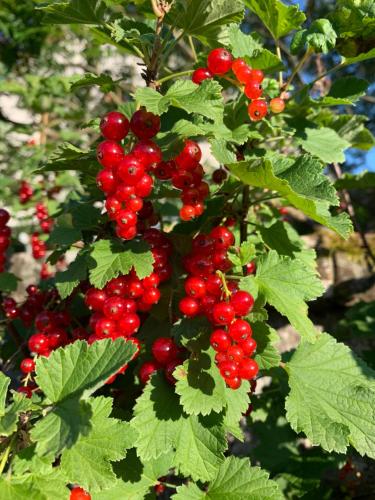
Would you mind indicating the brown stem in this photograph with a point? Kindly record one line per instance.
(370, 258)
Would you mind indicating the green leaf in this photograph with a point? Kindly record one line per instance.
(351, 128)
(250, 48)
(111, 259)
(359, 58)
(67, 281)
(332, 397)
(200, 385)
(301, 182)
(237, 403)
(324, 143)
(235, 480)
(74, 12)
(319, 37)
(286, 284)
(364, 180)
(354, 18)
(136, 477)
(105, 82)
(346, 90)
(88, 461)
(221, 152)
(79, 369)
(278, 18)
(4, 384)
(267, 356)
(8, 282)
(162, 426)
(9, 420)
(200, 444)
(65, 236)
(12, 490)
(157, 418)
(204, 99)
(69, 157)
(85, 216)
(204, 19)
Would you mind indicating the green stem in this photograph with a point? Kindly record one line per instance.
(278, 52)
(174, 75)
(6, 453)
(168, 485)
(227, 292)
(298, 68)
(191, 43)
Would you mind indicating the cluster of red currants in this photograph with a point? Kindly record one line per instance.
(5, 233)
(125, 178)
(186, 174)
(45, 221)
(38, 246)
(25, 192)
(220, 61)
(166, 356)
(225, 306)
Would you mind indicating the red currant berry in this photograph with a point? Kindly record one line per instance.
(95, 299)
(130, 170)
(234, 353)
(78, 493)
(220, 340)
(38, 343)
(189, 307)
(113, 205)
(187, 212)
(106, 181)
(195, 287)
(228, 369)
(25, 390)
(164, 350)
(257, 110)
(223, 313)
(144, 124)
(164, 170)
(250, 268)
(253, 90)
(240, 330)
(182, 179)
(257, 75)
(124, 192)
(114, 308)
(159, 489)
(134, 203)
(146, 370)
(219, 176)
(109, 153)
(219, 61)
(222, 237)
(151, 296)
(248, 369)
(126, 218)
(189, 156)
(129, 324)
(277, 105)
(126, 233)
(242, 302)
(151, 281)
(248, 346)
(105, 327)
(114, 126)
(201, 74)
(147, 152)
(233, 383)
(4, 217)
(144, 186)
(27, 365)
(57, 338)
(169, 369)
(242, 70)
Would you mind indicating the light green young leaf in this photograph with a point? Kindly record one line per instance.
(74, 12)
(267, 356)
(332, 397)
(9, 420)
(111, 259)
(88, 461)
(278, 18)
(204, 19)
(319, 36)
(301, 182)
(235, 480)
(79, 369)
(286, 284)
(204, 99)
